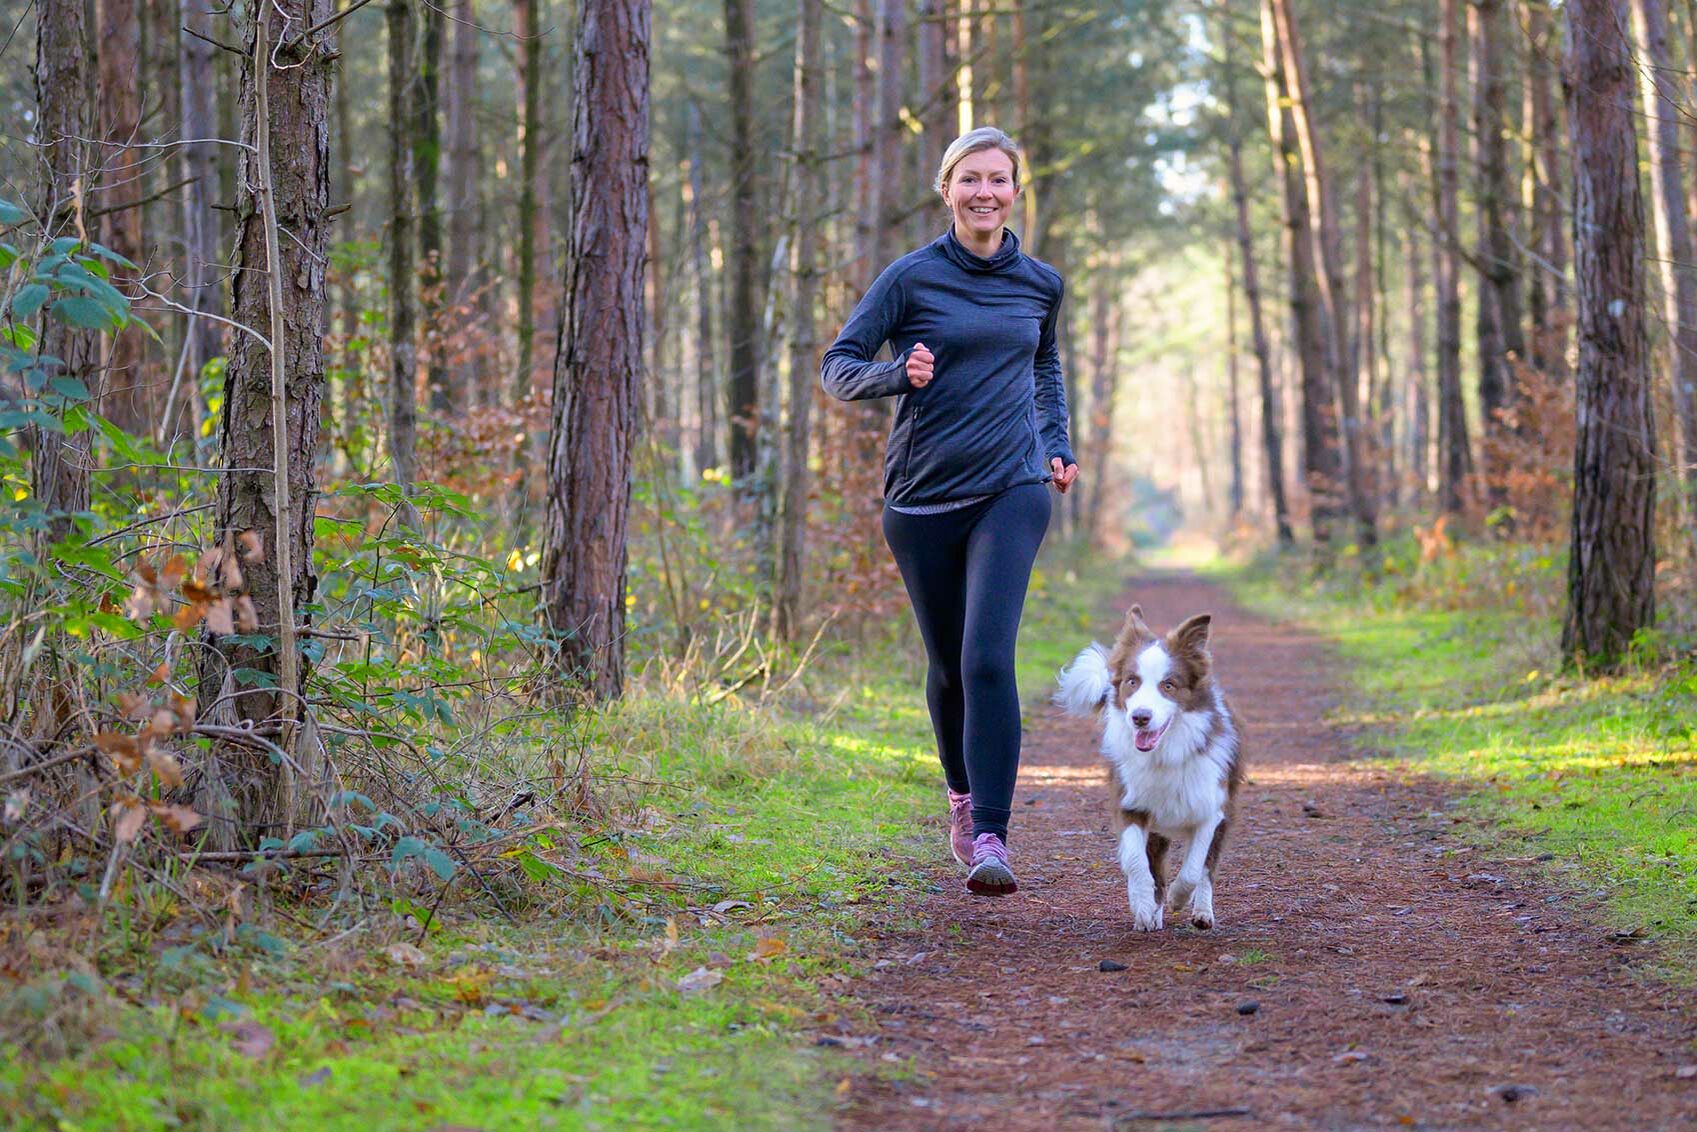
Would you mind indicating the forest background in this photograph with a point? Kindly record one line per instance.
(1401, 295)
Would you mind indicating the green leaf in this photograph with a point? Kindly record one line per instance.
(107, 253)
(28, 300)
(11, 213)
(8, 256)
(69, 387)
(65, 244)
(78, 310)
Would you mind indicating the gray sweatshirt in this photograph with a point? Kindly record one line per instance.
(996, 409)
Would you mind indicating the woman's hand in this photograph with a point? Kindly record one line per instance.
(1063, 476)
(921, 366)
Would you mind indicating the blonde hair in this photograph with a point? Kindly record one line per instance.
(974, 141)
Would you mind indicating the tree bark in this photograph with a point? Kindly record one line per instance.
(1234, 496)
(1455, 461)
(1673, 233)
(1547, 281)
(792, 507)
(1322, 203)
(742, 398)
(285, 115)
(598, 366)
(707, 370)
(403, 268)
(525, 17)
(129, 399)
(1611, 562)
(1500, 334)
(64, 99)
(464, 175)
(195, 75)
(426, 161)
(1321, 458)
(1418, 398)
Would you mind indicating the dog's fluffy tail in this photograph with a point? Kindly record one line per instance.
(1085, 683)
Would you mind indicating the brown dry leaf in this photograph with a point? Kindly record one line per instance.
(230, 574)
(123, 750)
(647, 874)
(247, 617)
(700, 979)
(127, 817)
(162, 725)
(671, 932)
(197, 593)
(132, 706)
(249, 1038)
(207, 568)
(219, 618)
(844, 1086)
(160, 674)
(174, 572)
(188, 617)
(768, 948)
(252, 544)
(177, 819)
(166, 766)
(184, 707)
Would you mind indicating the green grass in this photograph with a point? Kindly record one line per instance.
(793, 820)
(1596, 776)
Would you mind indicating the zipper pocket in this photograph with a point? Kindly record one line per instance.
(912, 435)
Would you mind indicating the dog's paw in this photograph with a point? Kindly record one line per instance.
(1203, 920)
(1178, 895)
(1147, 917)
(1202, 908)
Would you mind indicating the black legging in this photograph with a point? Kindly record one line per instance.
(966, 573)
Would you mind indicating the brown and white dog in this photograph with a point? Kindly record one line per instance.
(1173, 743)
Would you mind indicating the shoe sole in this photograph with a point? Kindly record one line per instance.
(991, 879)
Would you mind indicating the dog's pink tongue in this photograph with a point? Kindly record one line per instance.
(1145, 740)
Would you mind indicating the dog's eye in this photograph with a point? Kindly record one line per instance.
(1133, 681)
(1169, 686)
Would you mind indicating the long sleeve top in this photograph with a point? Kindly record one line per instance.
(995, 411)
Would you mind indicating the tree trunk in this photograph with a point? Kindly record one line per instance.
(128, 400)
(199, 157)
(426, 163)
(1272, 443)
(1455, 461)
(403, 271)
(1321, 459)
(598, 366)
(1322, 203)
(707, 372)
(1612, 560)
(1234, 498)
(1500, 335)
(1419, 415)
(1673, 234)
(792, 508)
(525, 19)
(1547, 348)
(464, 174)
(284, 177)
(939, 111)
(64, 98)
(742, 398)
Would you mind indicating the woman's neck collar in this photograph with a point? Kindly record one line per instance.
(966, 242)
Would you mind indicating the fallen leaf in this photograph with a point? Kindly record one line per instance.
(1686, 1072)
(249, 1038)
(768, 948)
(121, 749)
(700, 979)
(724, 906)
(671, 932)
(1348, 1056)
(132, 706)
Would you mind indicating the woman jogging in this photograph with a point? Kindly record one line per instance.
(981, 426)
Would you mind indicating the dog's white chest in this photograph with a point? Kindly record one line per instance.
(1176, 795)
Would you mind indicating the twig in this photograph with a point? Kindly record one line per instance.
(37, 768)
(93, 212)
(329, 21)
(236, 51)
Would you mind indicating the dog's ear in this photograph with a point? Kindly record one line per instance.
(1192, 636)
(1135, 627)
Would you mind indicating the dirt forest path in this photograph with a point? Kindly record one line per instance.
(1368, 969)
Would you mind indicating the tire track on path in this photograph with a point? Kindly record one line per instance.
(1399, 978)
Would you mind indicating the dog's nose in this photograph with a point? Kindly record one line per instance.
(1142, 716)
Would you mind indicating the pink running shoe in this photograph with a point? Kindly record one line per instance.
(990, 875)
(960, 827)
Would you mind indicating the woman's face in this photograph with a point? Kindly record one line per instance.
(981, 193)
